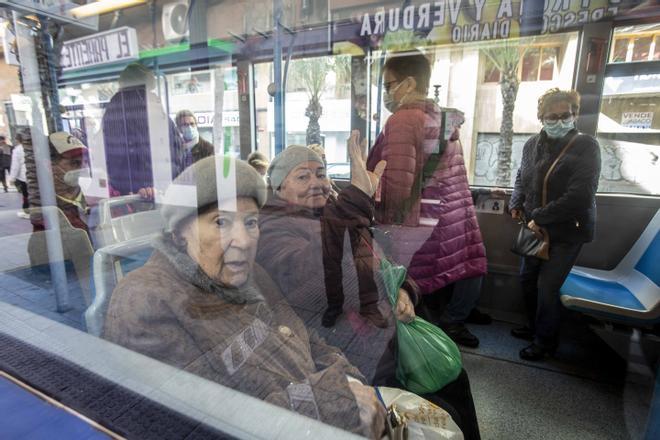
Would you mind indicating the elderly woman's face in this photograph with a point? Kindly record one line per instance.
(224, 243)
(306, 185)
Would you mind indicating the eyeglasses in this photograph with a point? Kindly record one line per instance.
(553, 118)
(388, 85)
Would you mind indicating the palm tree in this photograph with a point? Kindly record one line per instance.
(311, 74)
(505, 57)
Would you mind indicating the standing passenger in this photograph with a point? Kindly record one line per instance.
(424, 196)
(568, 216)
(194, 147)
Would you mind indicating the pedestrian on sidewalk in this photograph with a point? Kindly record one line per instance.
(17, 170)
(5, 159)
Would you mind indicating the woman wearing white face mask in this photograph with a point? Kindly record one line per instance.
(568, 213)
(195, 148)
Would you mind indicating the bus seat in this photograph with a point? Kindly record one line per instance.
(126, 227)
(110, 264)
(629, 293)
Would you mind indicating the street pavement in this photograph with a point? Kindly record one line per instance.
(23, 286)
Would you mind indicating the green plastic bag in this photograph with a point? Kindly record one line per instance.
(428, 359)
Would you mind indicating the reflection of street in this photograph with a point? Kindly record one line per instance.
(10, 204)
(27, 288)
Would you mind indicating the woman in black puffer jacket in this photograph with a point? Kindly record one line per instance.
(568, 216)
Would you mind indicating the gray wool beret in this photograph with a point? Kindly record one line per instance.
(287, 160)
(197, 187)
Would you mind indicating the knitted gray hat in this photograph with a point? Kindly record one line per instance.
(196, 187)
(287, 160)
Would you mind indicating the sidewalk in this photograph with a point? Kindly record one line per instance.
(25, 287)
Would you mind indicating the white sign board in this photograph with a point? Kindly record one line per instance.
(488, 205)
(58, 10)
(637, 119)
(119, 44)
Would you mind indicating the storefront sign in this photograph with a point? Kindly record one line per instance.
(103, 48)
(57, 10)
(637, 119)
(459, 21)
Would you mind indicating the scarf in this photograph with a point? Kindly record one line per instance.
(246, 294)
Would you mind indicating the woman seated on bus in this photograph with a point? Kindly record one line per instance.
(303, 228)
(202, 305)
(566, 211)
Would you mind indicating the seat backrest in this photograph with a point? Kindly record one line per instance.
(642, 254)
(649, 263)
(125, 227)
(108, 270)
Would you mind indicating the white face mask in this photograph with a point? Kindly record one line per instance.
(388, 99)
(71, 178)
(558, 129)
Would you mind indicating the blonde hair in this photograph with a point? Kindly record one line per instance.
(556, 95)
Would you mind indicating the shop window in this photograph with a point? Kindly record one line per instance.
(548, 63)
(636, 44)
(491, 73)
(537, 64)
(641, 48)
(620, 50)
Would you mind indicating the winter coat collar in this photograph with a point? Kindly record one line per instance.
(191, 272)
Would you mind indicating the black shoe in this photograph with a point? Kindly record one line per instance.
(330, 317)
(525, 333)
(535, 352)
(460, 334)
(478, 317)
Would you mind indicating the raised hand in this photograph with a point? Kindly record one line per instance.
(364, 180)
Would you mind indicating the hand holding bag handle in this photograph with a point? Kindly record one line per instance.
(527, 242)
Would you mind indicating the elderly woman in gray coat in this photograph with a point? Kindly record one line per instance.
(201, 304)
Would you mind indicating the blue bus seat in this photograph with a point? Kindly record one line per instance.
(629, 293)
(110, 265)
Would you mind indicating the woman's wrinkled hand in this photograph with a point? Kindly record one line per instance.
(516, 214)
(365, 181)
(405, 310)
(372, 411)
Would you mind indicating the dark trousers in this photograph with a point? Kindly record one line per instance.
(541, 281)
(464, 298)
(4, 171)
(333, 271)
(22, 188)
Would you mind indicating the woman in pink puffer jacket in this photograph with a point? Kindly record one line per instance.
(424, 200)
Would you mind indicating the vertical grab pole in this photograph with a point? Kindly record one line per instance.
(32, 88)
(277, 77)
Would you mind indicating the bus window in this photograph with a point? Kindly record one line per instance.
(629, 124)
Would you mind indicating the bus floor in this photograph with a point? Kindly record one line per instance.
(584, 392)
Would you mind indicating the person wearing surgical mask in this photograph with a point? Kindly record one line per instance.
(68, 158)
(424, 194)
(195, 148)
(568, 214)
